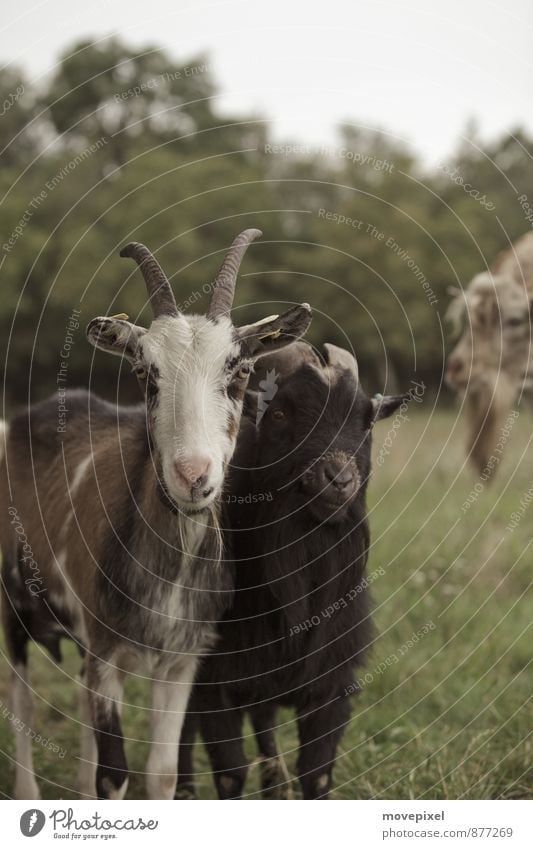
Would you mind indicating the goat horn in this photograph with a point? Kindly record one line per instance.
(224, 283)
(159, 291)
(340, 358)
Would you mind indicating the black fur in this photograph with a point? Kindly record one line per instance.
(300, 621)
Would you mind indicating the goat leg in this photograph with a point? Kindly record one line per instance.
(320, 731)
(185, 788)
(88, 750)
(169, 706)
(222, 733)
(105, 684)
(16, 637)
(273, 782)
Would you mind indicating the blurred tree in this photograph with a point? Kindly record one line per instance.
(19, 132)
(136, 101)
(360, 230)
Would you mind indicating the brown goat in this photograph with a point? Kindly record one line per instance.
(109, 530)
(490, 363)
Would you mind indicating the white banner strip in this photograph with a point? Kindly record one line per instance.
(263, 825)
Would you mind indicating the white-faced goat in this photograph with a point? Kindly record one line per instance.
(109, 532)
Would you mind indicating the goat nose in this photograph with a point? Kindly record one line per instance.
(338, 476)
(192, 472)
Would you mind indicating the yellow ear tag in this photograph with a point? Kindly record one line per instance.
(272, 335)
(121, 315)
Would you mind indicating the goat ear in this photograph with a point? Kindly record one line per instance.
(454, 291)
(115, 335)
(275, 332)
(384, 406)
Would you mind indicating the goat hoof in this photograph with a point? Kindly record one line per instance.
(185, 791)
(273, 782)
(108, 789)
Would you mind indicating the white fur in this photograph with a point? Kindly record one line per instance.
(494, 345)
(79, 474)
(88, 750)
(169, 703)
(192, 531)
(117, 793)
(22, 703)
(109, 686)
(4, 432)
(192, 417)
(512, 299)
(73, 487)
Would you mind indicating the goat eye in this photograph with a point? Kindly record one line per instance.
(141, 372)
(279, 415)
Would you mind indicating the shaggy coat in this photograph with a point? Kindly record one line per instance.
(109, 524)
(299, 624)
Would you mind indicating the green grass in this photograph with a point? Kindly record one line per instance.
(449, 717)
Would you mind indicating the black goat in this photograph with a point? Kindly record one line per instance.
(300, 621)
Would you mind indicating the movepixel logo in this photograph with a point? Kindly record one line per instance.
(32, 822)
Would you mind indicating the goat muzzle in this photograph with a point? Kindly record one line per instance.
(333, 480)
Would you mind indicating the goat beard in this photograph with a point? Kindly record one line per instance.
(309, 511)
(299, 557)
(487, 408)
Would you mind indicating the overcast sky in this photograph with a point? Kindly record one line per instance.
(418, 69)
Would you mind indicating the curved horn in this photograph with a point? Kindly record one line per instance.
(336, 357)
(224, 283)
(159, 291)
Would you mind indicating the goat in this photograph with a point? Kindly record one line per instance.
(109, 532)
(491, 362)
(299, 623)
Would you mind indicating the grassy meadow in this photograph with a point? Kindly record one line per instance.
(442, 715)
